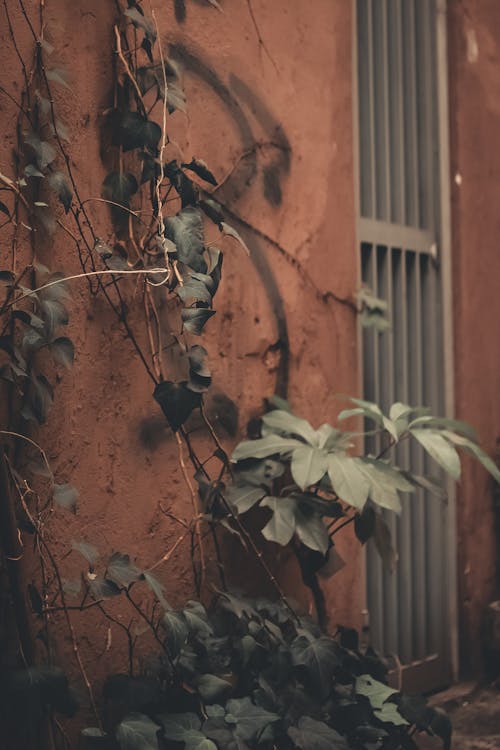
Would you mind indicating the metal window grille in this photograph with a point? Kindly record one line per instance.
(399, 232)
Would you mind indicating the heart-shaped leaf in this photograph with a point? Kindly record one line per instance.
(177, 402)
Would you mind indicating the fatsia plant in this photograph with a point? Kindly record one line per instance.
(328, 480)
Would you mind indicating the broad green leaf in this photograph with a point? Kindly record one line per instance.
(119, 187)
(157, 588)
(385, 482)
(137, 732)
(476, 451)
(318, 656)
(308, 465)
(211, 687)
(264, 447)
(428, 484)
(329, 438)
(312, 531)
(310, 734)
(383, 543)
(177, 402)
(244, 498)
(347, 480)
(281, 526)
(399, 410)
(121, 570)
(389, 714)
(186, 232)
(283, 422)
(194, 319)
(176, 726)
(391, 428)
(63, 351)
(443, 423)
(177, 632)
(250, 720)
(376, 692)
(439, 449)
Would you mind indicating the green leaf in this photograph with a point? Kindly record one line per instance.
(199, 167)
(385, 481)
(264, 447)
(59, 76)
(367, 408)
(439, 449)
(211, 687)
(347, 480)
(308, 466)
(177, 632)
(54, 314)
(312, 531)
(250, 720)
(135, 132)
(137, 732)
(194, 290)
(177, 726)
(41, 397)
(63, 351)
(199, 373)
(376, 692)
(194, 319)
(120, 187)
(311, 734)
(318, 656)
(89, 552)
(103, 588)
(231, 232)
(443, 423)
(121, 570)
(364, 524)
(245, 497)
(140, 21)
(177, 402)
(282, 422)
(185, 230)
(389, 714)
(281, 526)
(196, 617)
(66, 496)
(476, 451)
(61, 188)
(157, 588)
(44, 152)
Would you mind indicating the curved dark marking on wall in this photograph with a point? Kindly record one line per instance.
(235, 187)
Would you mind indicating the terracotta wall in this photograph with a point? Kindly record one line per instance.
(474, 63)
(272, 108)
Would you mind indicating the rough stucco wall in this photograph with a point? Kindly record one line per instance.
(296, 187)
(474, 55)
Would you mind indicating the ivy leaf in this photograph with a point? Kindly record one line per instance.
(199, 167)
(318, 657)
(137, 732)
(54, 314)
(196, 618)
(194, 319)
(31, 171)
(185, 230)
(156, 587)
(103, 588)
(281, 526)
(44, 152)
(311, 734)
(211, 687)
(212, 209)
(66, 496)
(135, 132)
(439, 449)
(177, 726)
(308, 466)
(120, 187)
(140, 21)
(195, 289)
(250, 720)
(312, 531)
(41, 397)
(89, 552)
(121, 570)
(59, 185)
(347, 480)
(177, 632)
(231, 232)
(364, 524)
(376, 692)
(264, 447)
(177, 402)
(63, 351)
(199, 373)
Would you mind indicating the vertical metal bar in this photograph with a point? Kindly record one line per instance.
(410, 113)
(404, 537)
(371, 84)
(381, 104)
(396, 157)
(371, 390)
(418, 517)
(425, 113)
(386, 398)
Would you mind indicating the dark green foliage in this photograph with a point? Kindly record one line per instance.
(177, 401)
(249, 675)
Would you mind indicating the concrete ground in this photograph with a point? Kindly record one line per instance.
(475, 715)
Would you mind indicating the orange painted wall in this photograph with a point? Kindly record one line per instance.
(281, 131)
(474, 63)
